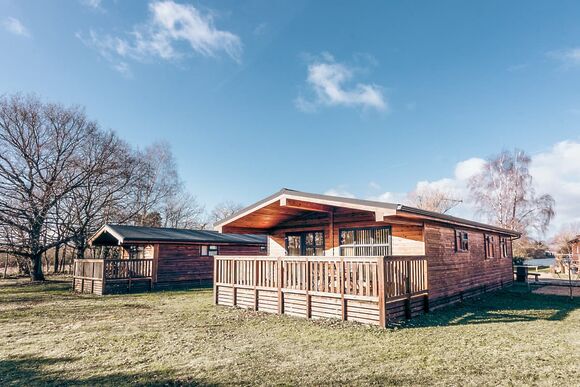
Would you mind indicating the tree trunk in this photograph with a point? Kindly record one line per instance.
(56, 252)
(5, 265)
(36, 269)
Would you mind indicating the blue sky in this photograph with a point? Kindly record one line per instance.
(366, 99)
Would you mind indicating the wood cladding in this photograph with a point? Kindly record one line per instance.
(456, 275)
(184, 263)
(370, 290)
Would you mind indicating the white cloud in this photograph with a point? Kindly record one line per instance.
(94, 4)
(169, 27)
(339, 191)
(557, 172)
(15, 26)
(330, 83)
(568, 57)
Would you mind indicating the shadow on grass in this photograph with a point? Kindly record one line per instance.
(505, 306)
(44, 371)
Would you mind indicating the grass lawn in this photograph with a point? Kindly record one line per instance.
(51, 336)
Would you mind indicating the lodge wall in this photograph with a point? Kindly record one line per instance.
(183, 264)
(406, 239)
(455, 275)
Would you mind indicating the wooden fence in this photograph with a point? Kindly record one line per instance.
(370, 290)
(94, 275)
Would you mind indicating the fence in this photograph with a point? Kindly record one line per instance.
(92, 275)
(370, 290)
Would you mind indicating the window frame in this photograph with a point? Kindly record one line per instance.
(213, 250)
(489, 244)
(503, 247)
(303, 247)
(388, 245)
(459, 248)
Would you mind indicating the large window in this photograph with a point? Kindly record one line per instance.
(310, 243)
(503, 247)
(370, 241)
(489, 246)
(461, 241)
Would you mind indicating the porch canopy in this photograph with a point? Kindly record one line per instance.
(118, 235)
(289, 206)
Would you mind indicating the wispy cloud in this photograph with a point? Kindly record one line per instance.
(170, 24)
(568, 58)
(93, 4)
(331, 83)
(15, 26)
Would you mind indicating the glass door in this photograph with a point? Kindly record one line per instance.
(310, 243)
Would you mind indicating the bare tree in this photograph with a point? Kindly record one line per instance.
(102, 198)
(41, 148)
(562, 240)
(158, 180)
(224, 210)
(434, 199)
(503, 192)
(183, 211)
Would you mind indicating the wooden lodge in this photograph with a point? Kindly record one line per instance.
(358, 260)
(143, 258)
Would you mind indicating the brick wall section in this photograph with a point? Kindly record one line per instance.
(457, 275)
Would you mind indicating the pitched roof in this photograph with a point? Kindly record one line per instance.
(126, 234)
(387, 209)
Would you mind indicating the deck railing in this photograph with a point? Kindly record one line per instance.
(92, 274)
(372, 280)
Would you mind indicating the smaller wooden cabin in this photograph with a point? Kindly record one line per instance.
(144, 258)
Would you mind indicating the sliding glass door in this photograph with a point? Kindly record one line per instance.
(310, 243)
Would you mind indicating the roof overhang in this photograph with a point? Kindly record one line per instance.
(288, 204)
(106, 236)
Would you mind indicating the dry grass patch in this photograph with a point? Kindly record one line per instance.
(51, 336)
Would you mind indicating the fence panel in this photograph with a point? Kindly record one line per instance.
(350, 288)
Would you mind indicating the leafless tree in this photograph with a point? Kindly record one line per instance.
(102, 198)
(183, 211)
(158, 180)
(434, 199)
(41, 148)
(224, 210)
(503, 192)
(561, 241)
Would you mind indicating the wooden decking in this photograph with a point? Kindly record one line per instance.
(103, 276)
(370, 290)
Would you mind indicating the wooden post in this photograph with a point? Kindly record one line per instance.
(382, 301)
(408, 291)
(74, 276)
(332, 232)
(342, 280)
(215, 279)
(255, 284)
(308, 297)
(234, 280)
(280, 274)
(104, 277)
(155, 264)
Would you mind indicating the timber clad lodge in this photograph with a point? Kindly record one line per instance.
(323, 256)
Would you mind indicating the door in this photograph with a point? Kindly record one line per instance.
(310, 243)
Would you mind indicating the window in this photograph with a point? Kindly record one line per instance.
(310, 243)
(136, 252)
(503, 247)
(489, 246)
(213, 251)
(204, 250)
(370, 241)
(461, 241)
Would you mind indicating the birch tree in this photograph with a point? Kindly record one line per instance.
(504, 193)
